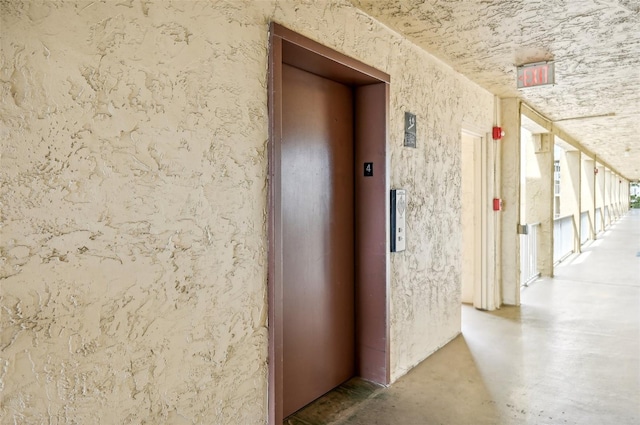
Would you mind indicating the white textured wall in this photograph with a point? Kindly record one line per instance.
(425, 285)
(133, 204)
(133, 200)
(470, 199)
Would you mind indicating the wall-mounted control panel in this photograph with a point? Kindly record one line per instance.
(398, 215)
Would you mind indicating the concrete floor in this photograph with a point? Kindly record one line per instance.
(569, 355)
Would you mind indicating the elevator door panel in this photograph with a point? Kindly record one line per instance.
(318, 236)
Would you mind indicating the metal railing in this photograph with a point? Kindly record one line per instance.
(585, 227)
(598, 220)
(616, 211)
(563, 238)
(529, 255)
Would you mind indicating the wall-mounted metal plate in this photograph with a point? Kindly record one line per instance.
(410, 130)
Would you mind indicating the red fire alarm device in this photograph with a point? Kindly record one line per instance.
(497, 133)
(497, 204)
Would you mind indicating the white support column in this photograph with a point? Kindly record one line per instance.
(492, 238)
(606, 210)
(588, 194)
(570, 181)
(626, 192)
(539, 196)
(510, 194)
(626, 195)
(599, 198)
(615, 195)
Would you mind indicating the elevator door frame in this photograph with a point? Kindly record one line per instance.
(371, 99)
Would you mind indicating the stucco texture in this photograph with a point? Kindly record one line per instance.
(133, 203)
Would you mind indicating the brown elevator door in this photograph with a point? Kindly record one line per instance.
(318, 236)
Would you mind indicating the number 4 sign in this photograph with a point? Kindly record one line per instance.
(368, 169)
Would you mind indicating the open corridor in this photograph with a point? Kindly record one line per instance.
(569, 355)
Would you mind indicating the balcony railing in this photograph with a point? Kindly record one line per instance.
(615, 207)
(529, 255)
(563, 238)
(598, 220)
(585, 227)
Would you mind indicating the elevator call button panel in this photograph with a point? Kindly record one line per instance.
(398, 214)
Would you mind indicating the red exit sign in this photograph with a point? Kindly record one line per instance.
(536, 74)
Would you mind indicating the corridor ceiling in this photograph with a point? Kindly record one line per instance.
(595, 45)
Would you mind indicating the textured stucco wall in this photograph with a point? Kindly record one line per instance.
(470, 200)
(133, 200)
(425, 279)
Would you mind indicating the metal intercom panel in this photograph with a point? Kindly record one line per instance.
(398, 214)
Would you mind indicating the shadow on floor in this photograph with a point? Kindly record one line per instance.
(510, 313)
(421, 397)
(335, 404)
(447, 389)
